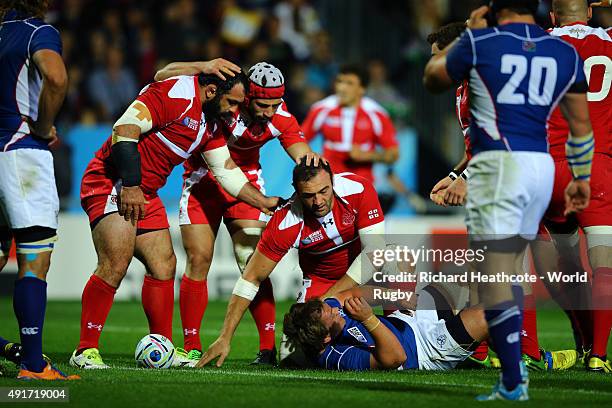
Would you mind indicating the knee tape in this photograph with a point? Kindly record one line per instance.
(599, 236)
(244, 252)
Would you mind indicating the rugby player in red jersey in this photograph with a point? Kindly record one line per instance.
(331, 220)
(594, 45)
(167, 123)
(452, 189)
(357, 131)
(204, 204)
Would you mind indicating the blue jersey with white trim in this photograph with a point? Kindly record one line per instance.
(517, 74)
(20, 81)
(352, 348)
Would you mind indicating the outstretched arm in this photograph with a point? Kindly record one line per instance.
(233, 180)
(256, 271)
(218, 66)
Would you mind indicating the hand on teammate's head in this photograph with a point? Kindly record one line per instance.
(478, 18)
(312, 157)
(220, 67)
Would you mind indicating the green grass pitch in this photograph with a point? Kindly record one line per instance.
(238, 384)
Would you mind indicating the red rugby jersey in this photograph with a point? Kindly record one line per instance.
(244, 142)
(367, 126)
(462, 109)
(179, 131)
(594, 45)
(327, 245)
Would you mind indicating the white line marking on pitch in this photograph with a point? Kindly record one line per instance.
(409, 380)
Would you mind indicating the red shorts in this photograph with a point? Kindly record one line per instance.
(204, 201)
(314, 286)
(99, 195)
(600, 206)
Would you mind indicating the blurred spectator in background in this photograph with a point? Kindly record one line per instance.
(97, 50)
(113, 87)
(298, 22)
(239, 26)
(322, 68)
(280, 53)
(426, 15)
(112, 29)
(383, 92)
(182, 33)
(147, 54)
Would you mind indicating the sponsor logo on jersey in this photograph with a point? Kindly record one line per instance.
(356, 333)
(577, 31)
(314, 237)
(113, 199)
(191, 123)
(327, 223)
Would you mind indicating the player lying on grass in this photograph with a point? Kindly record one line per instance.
(331, 219)
(343, 333)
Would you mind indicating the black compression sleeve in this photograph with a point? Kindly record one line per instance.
(126, 158)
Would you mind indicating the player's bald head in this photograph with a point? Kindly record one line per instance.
(569, 11)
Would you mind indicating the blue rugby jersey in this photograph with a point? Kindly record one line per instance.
(352, 348)
(517, 73)
(20, 81)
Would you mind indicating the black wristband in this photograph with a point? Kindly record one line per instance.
(126, 158)
(453, 176)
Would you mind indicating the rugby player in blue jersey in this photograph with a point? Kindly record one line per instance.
(342, 333)
(518, 74)
(33, 84)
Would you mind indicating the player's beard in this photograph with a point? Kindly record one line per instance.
(212, 111)
(259, 125)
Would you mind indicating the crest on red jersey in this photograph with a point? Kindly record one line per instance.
(348, 218)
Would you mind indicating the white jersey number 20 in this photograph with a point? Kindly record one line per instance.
(542, 80)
